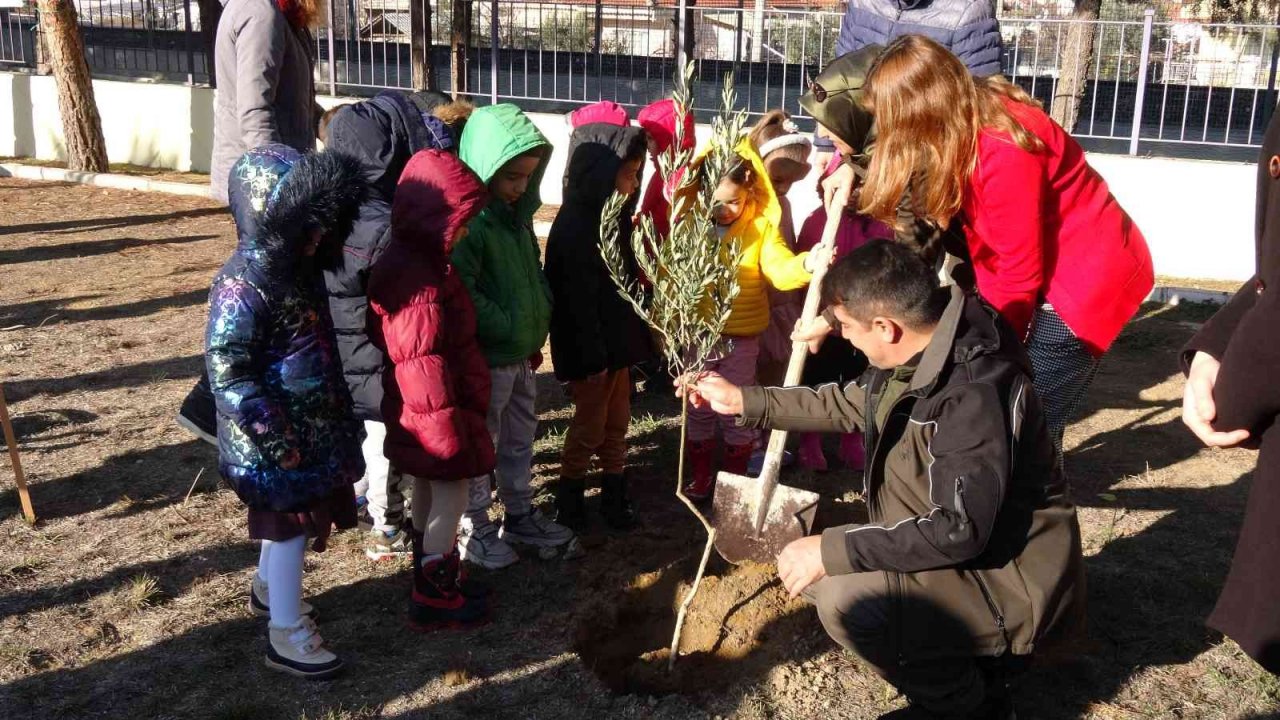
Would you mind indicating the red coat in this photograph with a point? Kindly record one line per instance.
(659, 121)
(437, 394)
(1044, 227)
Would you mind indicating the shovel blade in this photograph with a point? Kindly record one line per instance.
(734, 512)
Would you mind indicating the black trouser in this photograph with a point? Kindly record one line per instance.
(857, 613)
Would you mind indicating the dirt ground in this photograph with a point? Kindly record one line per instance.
(128, 599)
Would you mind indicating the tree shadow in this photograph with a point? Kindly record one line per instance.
(108, 223)
(54, 311)
(89, 248)
(134, 482)
(187, 366)
(174, 574)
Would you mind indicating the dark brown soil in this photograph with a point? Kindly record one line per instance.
(741, 622)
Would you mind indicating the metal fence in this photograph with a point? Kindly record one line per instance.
(1149, 82)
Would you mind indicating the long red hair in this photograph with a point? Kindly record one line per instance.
(929, 111)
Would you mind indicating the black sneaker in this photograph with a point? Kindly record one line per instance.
(437, 603)
(198, 413)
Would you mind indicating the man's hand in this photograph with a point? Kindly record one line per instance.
(800, 564)
(535, 361)
(710, 390)
(598, 378)
(815, 333)
(1198, 408)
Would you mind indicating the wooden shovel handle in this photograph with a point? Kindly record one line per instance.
(9, 439)
(799, 353)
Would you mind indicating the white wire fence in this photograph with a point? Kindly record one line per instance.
(1146, 81)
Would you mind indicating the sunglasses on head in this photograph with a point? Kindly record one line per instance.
(821, 94)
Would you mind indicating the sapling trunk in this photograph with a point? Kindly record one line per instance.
(693, 272)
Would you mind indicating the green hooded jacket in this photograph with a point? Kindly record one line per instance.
(498, 261)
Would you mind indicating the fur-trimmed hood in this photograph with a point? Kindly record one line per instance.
(278, 196)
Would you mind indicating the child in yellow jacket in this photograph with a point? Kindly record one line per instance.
(747, 210)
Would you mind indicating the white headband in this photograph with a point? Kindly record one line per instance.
(783, 141)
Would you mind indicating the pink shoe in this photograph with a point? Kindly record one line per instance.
(811, 457)
(853, 451)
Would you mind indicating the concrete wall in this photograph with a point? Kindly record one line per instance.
(148, 124)
(1196, 215)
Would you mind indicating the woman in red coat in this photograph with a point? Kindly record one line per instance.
(1051, 248)
(437, 394)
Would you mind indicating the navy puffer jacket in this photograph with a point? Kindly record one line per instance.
(382, 133)
(967, 28)
(286, 435)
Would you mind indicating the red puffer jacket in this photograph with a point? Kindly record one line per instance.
(437, 394)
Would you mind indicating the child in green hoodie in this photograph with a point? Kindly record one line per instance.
(499, 263)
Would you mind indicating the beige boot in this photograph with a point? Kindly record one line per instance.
(300, 651)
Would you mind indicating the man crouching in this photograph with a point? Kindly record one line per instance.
(971, 557)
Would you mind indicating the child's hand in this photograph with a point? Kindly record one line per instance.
(535, 361)
(821, 256)
(839, 182)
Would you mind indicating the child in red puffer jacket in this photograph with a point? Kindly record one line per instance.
(436, 395)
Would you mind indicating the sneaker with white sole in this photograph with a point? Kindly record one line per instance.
(260, 601)
(300, 651)
(534, 529)
(481, 544)
(379, 545)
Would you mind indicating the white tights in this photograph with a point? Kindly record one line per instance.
(280, 565)
(437, 508)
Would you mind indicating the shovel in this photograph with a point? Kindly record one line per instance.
(756, 517)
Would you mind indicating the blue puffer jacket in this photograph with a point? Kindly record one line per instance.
(286, 434)
(967, 28)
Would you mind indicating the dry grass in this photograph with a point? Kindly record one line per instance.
(128, 599)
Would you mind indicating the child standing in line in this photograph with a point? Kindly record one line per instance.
(595, 333)
(287, 439)
(747, 211)
(785, 153)
(437, 390)
(498, 262)
(836, 362)
(658, 120)
(382, 133)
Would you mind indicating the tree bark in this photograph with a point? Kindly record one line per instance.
(81, 125)
(424, 74)
(458, 37)
(1073, 63)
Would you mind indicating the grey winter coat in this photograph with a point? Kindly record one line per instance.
(967, 28)
(266, 91)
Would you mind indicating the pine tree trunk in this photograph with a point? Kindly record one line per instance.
(1074, 62)
(458, 41)
(81, 125)
(424, 73)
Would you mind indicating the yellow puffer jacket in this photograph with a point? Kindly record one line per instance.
(766, 257)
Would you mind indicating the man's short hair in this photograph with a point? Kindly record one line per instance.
(888, 279)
